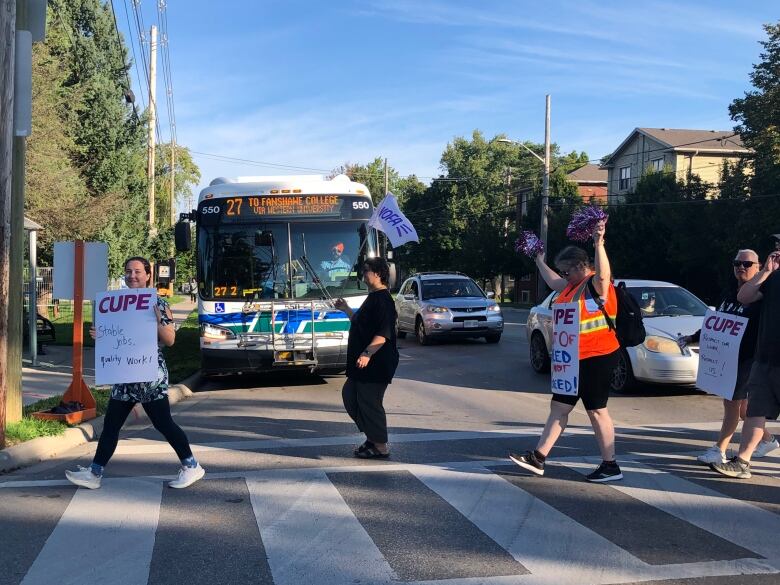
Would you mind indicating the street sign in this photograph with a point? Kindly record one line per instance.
(95, 269)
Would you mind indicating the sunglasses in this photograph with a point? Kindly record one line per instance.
(743, 263)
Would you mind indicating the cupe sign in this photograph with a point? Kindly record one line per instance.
(564, 358)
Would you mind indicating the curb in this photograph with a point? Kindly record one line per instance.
(43, 448)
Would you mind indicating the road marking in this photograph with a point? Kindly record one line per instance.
(310, 534)
(104, 536)
(738, 522)
(550, 544)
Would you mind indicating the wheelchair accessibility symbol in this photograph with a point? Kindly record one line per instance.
(219, 307)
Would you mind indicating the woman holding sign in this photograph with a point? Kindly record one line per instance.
(595, 358)
(153, 397)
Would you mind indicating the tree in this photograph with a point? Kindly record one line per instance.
(758, 116)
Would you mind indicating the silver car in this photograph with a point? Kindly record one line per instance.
(447, 304)
(668, 311)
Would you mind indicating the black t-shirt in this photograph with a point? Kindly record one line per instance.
(768, 350)
(376, 316)
(752, 313)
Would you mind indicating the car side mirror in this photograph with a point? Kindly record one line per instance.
(182, 236)
(491, 295)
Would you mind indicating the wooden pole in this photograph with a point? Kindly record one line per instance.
(7, 56)
(173, 182)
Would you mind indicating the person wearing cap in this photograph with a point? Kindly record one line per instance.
(338, 266)
(745, 266)
(763, 385)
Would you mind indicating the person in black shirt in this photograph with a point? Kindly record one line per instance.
(372, 358)
(764, 382)
(745, 267)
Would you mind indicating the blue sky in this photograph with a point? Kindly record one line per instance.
(315, 84)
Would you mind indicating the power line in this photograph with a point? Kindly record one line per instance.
(120, 47)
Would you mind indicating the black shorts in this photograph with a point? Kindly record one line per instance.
(595, 381)
(763, 389)
(743, 375)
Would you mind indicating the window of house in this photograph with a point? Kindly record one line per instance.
(625, 178)
(525, 296)
(657, 165)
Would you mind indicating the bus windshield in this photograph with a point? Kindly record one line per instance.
(268, 260)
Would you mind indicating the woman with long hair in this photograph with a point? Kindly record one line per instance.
(153, 397)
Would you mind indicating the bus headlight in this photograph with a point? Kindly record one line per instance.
(215, 332)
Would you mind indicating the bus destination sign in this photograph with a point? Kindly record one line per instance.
(250, 207)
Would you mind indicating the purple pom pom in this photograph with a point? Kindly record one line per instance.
(529, 244)
(583, 223)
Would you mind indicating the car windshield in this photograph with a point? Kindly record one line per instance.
(450, 287)
(666, 301)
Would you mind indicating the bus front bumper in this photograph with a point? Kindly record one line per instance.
(250, 360)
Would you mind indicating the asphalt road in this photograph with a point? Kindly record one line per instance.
(284, 501)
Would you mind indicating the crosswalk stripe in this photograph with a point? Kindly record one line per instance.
(104, 536)
(738, 522)
(550, 544)
(311, 535)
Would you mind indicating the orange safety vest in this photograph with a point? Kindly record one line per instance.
(596, 338)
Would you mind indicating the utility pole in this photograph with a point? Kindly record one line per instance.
(152, 123)
(541, 287)
(173, 181)
(7, 56)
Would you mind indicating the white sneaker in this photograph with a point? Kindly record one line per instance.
(187, 476)
(766, 447)
(712, 455)
(84, 478)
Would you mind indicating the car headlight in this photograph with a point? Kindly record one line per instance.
(659, 344)
(215, 331)
(436, 309)
(494, 309)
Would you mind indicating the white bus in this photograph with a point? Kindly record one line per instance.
(272, 253)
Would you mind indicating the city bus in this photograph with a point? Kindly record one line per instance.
(272, 253)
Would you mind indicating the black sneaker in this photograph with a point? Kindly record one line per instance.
(605, 472)
(528, 461)
(734, 467)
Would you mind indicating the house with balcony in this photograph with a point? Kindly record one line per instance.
(681, 152)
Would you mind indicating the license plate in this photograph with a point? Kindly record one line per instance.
(471, 323)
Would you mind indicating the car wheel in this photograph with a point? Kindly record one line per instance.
(493, 338)
(422, 336)
(623, 376)
(540, 358)
(398, 333)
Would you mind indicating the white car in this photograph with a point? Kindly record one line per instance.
(668, 311)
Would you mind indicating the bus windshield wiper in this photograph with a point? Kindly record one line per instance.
(310, 270)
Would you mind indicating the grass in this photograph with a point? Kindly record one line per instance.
(183, 357)
(31, 428)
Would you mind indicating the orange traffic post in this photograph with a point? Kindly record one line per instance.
(77, 391)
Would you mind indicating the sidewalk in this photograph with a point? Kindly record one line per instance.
(54, 372)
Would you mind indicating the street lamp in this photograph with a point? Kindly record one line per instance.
(540, 287)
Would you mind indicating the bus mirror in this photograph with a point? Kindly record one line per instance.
(264, 238)
(392, 281)
(183, 236)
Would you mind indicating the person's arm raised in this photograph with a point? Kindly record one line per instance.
(750, 292)
(603, 274)
(553, 280)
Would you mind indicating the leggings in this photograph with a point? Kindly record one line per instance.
(159, 412)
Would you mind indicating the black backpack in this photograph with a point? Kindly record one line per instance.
(628, 325)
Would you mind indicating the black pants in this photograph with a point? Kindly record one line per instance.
(363, 401)
(159, 412)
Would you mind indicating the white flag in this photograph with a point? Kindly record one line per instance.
(388, 218)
